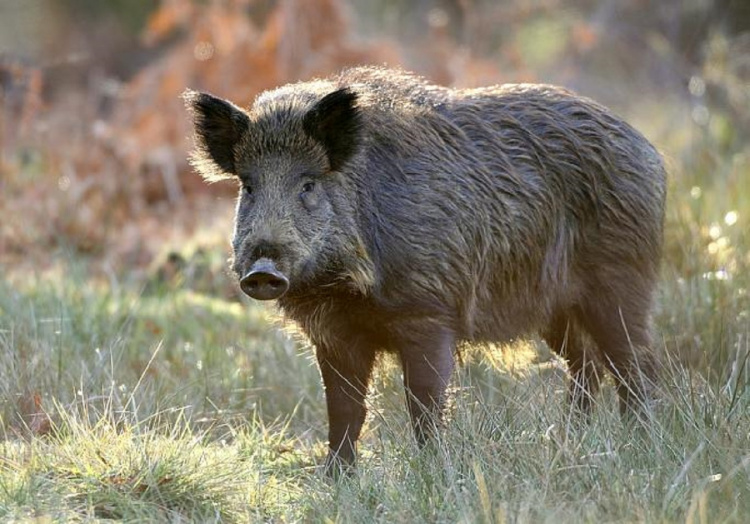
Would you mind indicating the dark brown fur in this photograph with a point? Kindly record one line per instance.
(409, 218)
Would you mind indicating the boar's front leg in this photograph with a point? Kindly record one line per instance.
(346, 375)
(427, 360)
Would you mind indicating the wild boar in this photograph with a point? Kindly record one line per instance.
(386, 214)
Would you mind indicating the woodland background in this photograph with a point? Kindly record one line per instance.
(94, 136)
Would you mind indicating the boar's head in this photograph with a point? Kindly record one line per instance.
(295, 223)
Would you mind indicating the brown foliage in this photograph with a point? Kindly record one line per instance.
(115, 182)
(101, 167)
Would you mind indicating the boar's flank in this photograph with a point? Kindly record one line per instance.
(388, 214)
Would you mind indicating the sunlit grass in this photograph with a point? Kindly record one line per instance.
(109, 466)
(175, 405)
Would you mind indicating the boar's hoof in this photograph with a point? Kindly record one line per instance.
(338, 468)
(264, 281)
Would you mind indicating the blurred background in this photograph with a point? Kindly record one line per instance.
(94, 136)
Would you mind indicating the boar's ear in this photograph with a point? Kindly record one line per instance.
(218, 127)
(335, 122)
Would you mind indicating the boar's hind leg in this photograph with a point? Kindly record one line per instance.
(620, 328)
(564, 336)
(427, 361)
(346, 375)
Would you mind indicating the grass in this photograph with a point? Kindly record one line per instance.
(165, 404)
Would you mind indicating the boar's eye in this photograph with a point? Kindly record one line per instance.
(308, 196)
(247, 189)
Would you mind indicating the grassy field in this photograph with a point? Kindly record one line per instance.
(167, 404)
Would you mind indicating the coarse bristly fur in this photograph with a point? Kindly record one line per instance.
(410, 218)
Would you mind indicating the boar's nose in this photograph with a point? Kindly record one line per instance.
(264, 281)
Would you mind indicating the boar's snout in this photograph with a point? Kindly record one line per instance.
(264, 281)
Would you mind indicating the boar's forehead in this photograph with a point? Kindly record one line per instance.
(281, 171)
(276, 131)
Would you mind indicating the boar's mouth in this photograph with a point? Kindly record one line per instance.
(264, 281)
